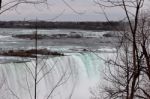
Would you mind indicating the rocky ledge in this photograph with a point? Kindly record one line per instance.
(30, 53)
(44, 36)
(31, 36)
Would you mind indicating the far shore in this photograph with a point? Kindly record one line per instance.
(114, 25)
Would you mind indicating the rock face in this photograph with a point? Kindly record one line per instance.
(30, 53)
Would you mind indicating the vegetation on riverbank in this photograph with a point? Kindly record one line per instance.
(30, 53)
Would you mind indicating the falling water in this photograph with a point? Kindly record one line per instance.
(62, 77)
(76, 73)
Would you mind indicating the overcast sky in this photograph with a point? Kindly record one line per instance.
(84, 10)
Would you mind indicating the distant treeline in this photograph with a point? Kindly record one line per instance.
(63, 25)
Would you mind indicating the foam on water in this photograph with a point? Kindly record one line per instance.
(80, 71)
(80, 68)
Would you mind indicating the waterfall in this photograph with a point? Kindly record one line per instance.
(63, 77)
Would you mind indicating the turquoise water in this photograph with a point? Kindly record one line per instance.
(64, 77)
(77, 71)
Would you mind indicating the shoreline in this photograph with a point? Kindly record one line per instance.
(114, 25)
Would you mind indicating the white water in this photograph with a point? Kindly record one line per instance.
(89, 33)
(81, 72)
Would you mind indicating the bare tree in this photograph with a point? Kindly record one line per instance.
(130, 72)
(0, 3)
(13, 4)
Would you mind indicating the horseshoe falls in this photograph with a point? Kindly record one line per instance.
(62, 77)
(71, 76)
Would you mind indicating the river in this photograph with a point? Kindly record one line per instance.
(60, 77)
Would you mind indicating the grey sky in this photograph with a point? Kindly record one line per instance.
(91, 12)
